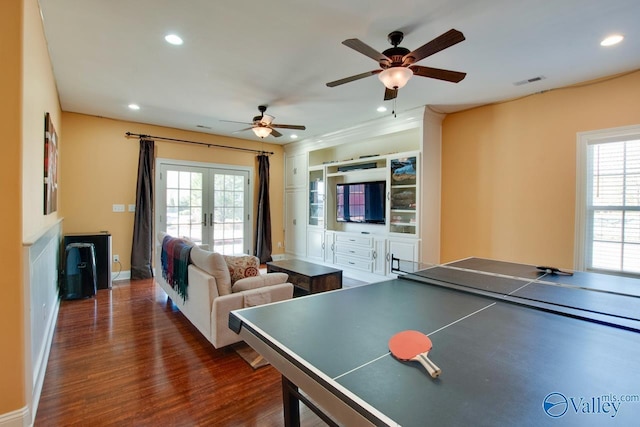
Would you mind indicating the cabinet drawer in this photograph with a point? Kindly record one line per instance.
(356, 263)
(354, 250)
(354, 240)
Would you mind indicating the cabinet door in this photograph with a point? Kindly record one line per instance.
(379, 256)
(406, 250)
(329, 246)
(295, 170)
(316, 198)
(404, 194)
(315, 244)
(295, 222)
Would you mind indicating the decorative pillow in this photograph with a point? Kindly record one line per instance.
(214, 264)
(242, 266)
(259, 281)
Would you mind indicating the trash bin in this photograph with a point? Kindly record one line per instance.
(79, 271)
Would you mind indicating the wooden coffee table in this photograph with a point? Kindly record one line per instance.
(308, 278)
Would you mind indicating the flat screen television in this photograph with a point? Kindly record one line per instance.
(361, 202)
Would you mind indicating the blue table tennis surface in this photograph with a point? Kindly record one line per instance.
(516, 347)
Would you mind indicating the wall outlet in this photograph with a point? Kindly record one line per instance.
(116, 258)
(132, 208)
(279, 244)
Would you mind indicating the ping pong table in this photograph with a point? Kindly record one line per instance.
(516, 345)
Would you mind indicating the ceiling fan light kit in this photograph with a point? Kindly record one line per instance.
(261, 131)
(395, 77)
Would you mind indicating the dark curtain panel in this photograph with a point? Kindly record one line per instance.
(263, 223)
(142, 247)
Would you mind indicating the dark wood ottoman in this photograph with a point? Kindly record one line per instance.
(308, 278)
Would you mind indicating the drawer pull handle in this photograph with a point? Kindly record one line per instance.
(352, 252)
(352, 263)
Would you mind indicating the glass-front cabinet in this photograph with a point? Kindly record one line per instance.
(316, 197)
(403, 194)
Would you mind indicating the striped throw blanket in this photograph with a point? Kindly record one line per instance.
(175, 259)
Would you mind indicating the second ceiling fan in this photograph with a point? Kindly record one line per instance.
(263, 125)
(397, 63)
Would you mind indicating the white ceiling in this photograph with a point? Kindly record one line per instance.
(238, 54)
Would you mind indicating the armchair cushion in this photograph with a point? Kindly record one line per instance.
(255, 282)
(214, 264)
(242, 266)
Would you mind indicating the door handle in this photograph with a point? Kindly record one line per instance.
(211, 219)
(204, 219)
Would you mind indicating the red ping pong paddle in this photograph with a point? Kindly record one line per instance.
(414, 346)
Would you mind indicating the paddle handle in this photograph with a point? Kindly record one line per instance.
(431, 367)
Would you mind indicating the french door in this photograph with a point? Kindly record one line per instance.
(209, 204)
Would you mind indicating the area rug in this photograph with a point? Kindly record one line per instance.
(249, 355)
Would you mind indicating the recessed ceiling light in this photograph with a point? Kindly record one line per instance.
(173, 39)
(611, 40)
(381, 109)
(294, 136)
(134, 106)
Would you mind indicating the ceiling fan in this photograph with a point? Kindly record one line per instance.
(397, 63)
(263, 125)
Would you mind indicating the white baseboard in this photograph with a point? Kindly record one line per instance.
(122, 275)
(279, 257)
(41, 369)
(17, 418)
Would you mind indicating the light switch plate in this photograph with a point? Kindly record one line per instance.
(132, 208)
(118, 208)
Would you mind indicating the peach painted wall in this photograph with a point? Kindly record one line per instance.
(508, 170)
(40, 96)
(28, 91)
(12, 368)
(101, 166)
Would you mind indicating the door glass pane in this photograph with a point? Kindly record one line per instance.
(184, 205)
(229, 213)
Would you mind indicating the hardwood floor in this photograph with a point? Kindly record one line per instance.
(129, 357)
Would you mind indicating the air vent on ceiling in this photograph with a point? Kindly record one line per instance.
(531, 80)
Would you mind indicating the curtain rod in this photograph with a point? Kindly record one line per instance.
(138, 135)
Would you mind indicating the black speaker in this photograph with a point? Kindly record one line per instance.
(79, 273)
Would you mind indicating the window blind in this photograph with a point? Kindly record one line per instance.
(613, 206)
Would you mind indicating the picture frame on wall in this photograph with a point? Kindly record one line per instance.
(50, 166)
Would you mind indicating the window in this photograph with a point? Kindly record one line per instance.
(608, 197)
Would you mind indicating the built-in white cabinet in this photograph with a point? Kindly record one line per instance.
(315, 244)
(316, 197)
(403, 195)
(329, 246)
(295, 170)
(295, 222)
(406, 250)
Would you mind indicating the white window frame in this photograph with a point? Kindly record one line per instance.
(584, 139)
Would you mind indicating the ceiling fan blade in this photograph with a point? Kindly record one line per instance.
(444, 41)
(353, 78)
(232, 121)
(298, 127)
(437, 73)
(242, 130)
(390, 94)
(275, 133)
(366, 50)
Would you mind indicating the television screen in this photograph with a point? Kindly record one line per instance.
(362, 202)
